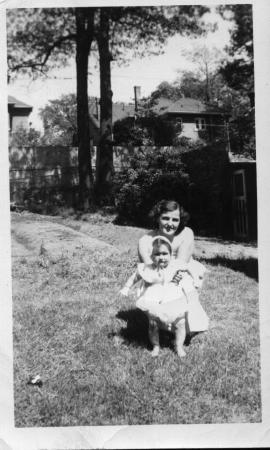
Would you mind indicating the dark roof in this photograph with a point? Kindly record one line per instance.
(186, 106)
(119, 111)
(123, 110)
(17, 103)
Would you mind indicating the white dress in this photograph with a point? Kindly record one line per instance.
(168, 302)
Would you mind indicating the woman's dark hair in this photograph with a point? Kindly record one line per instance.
(164, 206)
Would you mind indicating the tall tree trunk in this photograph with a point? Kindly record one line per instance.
(85, 31)
(104, 169)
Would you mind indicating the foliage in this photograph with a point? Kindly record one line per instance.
(140, 31)
(25, 137)
(60, 120)
(148, 129)
(191, 85)
(132, 31)
(49, 200)
(131, 132)
(39, 39)
(193, 175)
(239, 74)
(153, 174)
(239, 70)
(173, 91)
(242, 126)
(207, 61)
(42, 38)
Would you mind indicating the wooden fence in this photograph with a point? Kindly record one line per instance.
(46, 168)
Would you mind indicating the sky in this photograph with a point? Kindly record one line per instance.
(146, 72)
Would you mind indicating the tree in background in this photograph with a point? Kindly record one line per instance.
(191, 85)
(59, 119)
(172, 91)
(124, 32)
(44, 38)
(239, 75)
(206, 60)
(39, 39)
(239, 70)
(85, 32)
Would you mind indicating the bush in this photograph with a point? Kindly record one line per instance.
(153, 174)
(149, 129)
(50, 200)
(194, 176)
(129, 132)
(24, 137)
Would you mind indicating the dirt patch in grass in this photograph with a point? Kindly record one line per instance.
(32, 237)
(28, 231)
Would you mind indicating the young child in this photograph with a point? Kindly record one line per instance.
(162, 297)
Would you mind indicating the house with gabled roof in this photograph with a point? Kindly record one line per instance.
(198, 120)
(18, 113)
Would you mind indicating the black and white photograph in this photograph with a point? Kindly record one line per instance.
(133, 214)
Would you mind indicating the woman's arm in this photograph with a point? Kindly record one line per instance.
(185, 250)
(143, 250)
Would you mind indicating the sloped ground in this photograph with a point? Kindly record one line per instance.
(30, 232)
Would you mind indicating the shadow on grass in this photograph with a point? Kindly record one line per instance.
(136, 330)
(248, 266)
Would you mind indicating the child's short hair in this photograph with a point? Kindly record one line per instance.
(157, 241)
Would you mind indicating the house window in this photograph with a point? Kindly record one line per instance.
(200, 123)
(179, 125)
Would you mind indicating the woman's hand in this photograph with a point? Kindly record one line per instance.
(177, 277)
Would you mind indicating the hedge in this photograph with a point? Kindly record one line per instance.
(195, 176)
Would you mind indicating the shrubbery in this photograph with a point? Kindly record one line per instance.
(148, 129)
(194, 176)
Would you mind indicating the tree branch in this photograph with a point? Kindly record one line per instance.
(31, 64)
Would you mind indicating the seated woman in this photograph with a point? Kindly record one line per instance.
(164, 301)
(170, 220)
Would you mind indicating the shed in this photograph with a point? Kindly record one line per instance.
(244, 197)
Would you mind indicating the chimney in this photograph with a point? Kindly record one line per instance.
(137, 96)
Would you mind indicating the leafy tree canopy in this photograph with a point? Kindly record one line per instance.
(239, 71)
(60, 120)
(39, 39)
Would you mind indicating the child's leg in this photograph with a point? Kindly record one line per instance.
(180, 335)
(153, 332)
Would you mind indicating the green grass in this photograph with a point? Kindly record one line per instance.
(91, 350)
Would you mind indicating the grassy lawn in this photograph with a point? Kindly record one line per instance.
(91, 350)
